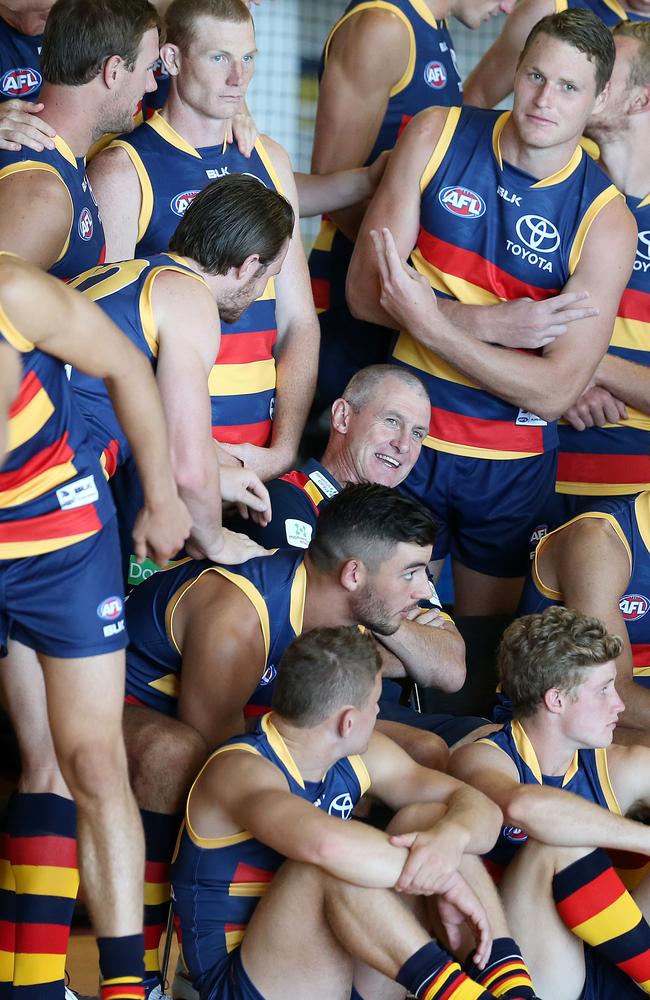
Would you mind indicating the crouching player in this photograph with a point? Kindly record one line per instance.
(276, 898)
(565, 792)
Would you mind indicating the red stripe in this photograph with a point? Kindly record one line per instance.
(7, 935)
(635, 305)
(590, 468)
(501, 435)
(249, 873)
(42, 939)
(241, 348)
(259, 433)
(456, 981)
(592, 899)
(58, 852)
(56, 453)
(156, 872)
(641, 654)
(120, 992)
(57, 524)
(131, 699)
(300, 480)
(152, 935)
(30, 386)
(320, 289)
(472, 267)
(102, 255)
(402, 125)
(637, 967)
(110, 457)
(252, 711)
(234, 927)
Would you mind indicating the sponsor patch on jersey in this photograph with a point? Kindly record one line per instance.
(538, 233)
(514, 834)
(462, 201)
(341, 806)
(269, 674)
(527, 419)
(85, 224)
(298, 533)
(114, 628)
(110, 609)
(77, 494)
(181, 202)
(323, 484)
(20, 82)
(634, 606)
(435, 75)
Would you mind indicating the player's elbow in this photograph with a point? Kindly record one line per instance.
(359, 291)
(519, 807)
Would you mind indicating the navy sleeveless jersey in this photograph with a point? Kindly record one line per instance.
(217, 883)
(275, 585)
(20, 64)
(609, 11)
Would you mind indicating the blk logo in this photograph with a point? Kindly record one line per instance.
(462, 201)
(435, 75)
(538, 233)
(634, 606)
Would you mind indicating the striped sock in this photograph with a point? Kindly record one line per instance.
(7, 909)
(43, 855)
(121, 963)
(160, 833)
(505, 974)
(431, 974)
(595, 905)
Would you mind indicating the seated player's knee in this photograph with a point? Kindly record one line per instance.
(429, 750)
(163, 764)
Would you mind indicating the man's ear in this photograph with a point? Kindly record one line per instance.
(353, 575)
(248, 268)
(171, 57)
(345, 723)
(341, 414)
(555, 700)
(110, 71)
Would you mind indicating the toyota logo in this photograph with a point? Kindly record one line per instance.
(538, 233)
(341, 806)
(643, 248)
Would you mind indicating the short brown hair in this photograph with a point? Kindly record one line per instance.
(323, 671)
(554, 649)
(586, 33)
(80, 35)
(181, 17)
(366, 383)
(639, 75)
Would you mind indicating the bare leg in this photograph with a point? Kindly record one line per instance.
(424, 747)
(479, 594)
(164, 757)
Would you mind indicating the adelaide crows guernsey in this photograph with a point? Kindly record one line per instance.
(490, 233)
(171, 173)
(124, 293)
(609, 11)
(431, 77)
(586, 776)
(275, 585)
(217, 883)
(52, 491)
(630, 519)
(615, 459)
(20, 64)
(85, 245)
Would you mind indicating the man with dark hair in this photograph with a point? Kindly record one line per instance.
(566, 792)
(62, 638)
(232, 240)
(206, 640)
(272, 810)
(97, 61)
(496, 209)
(262, 385)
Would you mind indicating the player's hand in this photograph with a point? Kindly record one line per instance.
(160, 531)
(595, 408)
(459, 905)
(405, 294)
(245, 488)
(434, 858)
(20, 126)
(524, 323)
(427, 616)
(266, 462)
(242, 129)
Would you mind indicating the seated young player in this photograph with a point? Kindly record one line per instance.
(275, 898)
(565, 792)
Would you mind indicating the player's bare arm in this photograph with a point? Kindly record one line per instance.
(70, 327)
(617, 383)
(354, 93)
(220, 635)
(116, 187)
(430, 650)
(26, 199)
(492, 79)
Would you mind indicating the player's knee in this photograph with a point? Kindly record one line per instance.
(96, 771)
(166, 757)
(429, 750)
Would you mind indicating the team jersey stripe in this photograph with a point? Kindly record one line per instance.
(634, 305)
(30, 419)
(476, 432)
(242, 380)
(576, 469)
(641, 655)
(258, 434)
(56, 851)
(244, 348)
(47, 880)
(41, 473)
(321, 289)
(48, 532)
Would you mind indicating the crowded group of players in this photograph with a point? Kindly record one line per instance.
(474, 319)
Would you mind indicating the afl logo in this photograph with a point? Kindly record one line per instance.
(462, 201)
(341, 806)
(515, 835)
(180, 204)
(634, 606)
(110, 609)
(269, 674)
(538, 233)
(435, 75)
(86, 224)
(20, 82)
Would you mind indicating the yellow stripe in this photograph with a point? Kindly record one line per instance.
(46, 880)
(117, 277)
(7, 881)
(605, 782)
(249, 889)
(424, 12)
(30, 547)
(598, 489)
(6, 966)
(618, 9)
(594, 209)
(156, 893)
(412, 353)
(38, 485)
(632, 334)
(468, 451)
(297, 599)
(499, 126)
(261, 151)
(407, 75)
(619, 918)
(146, 208)
(233, 940)
(642, 514)
(442, 145)
(11, 334)
(34, 970)
(312, 491)
(557, 595)
(281, 749)
(561, 5)
(170, 135)
(502, 971)
(439, 981)
(151, 960)
(361, 771)
(169, 685)
(460, 288)
(29, 421)
(325, 236)
(242, 380)
(644, 201)
(563, 173)
(256, 599)
(18, 168)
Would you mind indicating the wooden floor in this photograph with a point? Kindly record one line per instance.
(82, 965)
